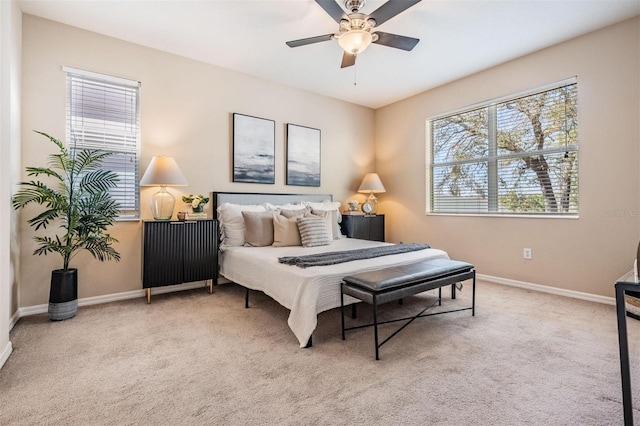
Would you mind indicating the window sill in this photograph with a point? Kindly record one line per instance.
(128, 219)
(519, 216)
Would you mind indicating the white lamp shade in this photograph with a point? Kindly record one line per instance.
(355, 41)
(163, 171)
(372, 184)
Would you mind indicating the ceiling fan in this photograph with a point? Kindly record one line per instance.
(354, 34)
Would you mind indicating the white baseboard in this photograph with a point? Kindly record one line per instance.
(87, 301)
(551, 290)
(4, 355)
(14, 319)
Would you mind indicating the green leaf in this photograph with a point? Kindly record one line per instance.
(81, 205)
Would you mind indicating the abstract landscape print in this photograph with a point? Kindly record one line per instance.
(303, 156)
(253, 149)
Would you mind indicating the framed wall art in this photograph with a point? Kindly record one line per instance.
(254, 141)
(303, 155)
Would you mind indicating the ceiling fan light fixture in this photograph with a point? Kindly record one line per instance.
(355, 41)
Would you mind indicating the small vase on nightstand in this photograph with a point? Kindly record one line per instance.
(197, 209)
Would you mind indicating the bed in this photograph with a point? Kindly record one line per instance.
(306, 292)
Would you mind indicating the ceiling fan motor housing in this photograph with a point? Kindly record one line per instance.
(356, 21)
(354, 5)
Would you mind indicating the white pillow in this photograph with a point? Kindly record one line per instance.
(285, 231)
(231, 222)
(296, 212)
(313, 231)
(334, 208)
(288, 206)
(325, 205)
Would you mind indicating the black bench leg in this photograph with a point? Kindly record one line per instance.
(246, 298)
(453, 291)
(473, 296)
(342, 311)
(375, 326)
(439, 296)
(353, 311)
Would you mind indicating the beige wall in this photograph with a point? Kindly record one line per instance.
(186, 109)
(585, 254)
(186, 113)
(10, 63)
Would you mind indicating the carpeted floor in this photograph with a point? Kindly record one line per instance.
(191, 358)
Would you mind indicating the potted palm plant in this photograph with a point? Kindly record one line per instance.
(77, 200)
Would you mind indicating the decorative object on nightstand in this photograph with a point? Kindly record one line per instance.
(197, 202)
(353, 208)
(373, 185)
(163, 171)
(195, 216)
(353, 205)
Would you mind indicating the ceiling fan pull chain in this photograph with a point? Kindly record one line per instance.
(355, 74)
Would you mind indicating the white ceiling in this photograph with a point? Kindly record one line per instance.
(457, 37)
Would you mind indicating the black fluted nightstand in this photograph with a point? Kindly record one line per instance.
(176, 252)
(363, 227)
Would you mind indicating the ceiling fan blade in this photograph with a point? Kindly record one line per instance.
(390, 9)
(310, 40)
(332, 8)
(397, 41)
(348, 60)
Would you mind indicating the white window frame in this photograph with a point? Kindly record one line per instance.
(92, 129)
(492, 158)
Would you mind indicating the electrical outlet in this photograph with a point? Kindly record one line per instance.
(527, 253)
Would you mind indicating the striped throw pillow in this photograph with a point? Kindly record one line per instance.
(313, 231)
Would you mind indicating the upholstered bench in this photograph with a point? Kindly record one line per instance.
(396, 282)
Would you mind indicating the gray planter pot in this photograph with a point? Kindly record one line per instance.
(63, 295)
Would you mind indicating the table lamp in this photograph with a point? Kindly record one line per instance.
(163, 171)
(373, 185)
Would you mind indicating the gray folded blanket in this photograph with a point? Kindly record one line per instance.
(334, 257)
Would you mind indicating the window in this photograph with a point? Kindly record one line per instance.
(103, 113)
(516, 156)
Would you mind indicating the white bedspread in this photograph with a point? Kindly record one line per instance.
(306, 291)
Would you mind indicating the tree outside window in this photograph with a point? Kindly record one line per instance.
(518, 156)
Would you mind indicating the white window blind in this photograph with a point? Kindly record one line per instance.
(516, 156)
(103, 113)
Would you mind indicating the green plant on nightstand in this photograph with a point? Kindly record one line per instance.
(197, 202)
